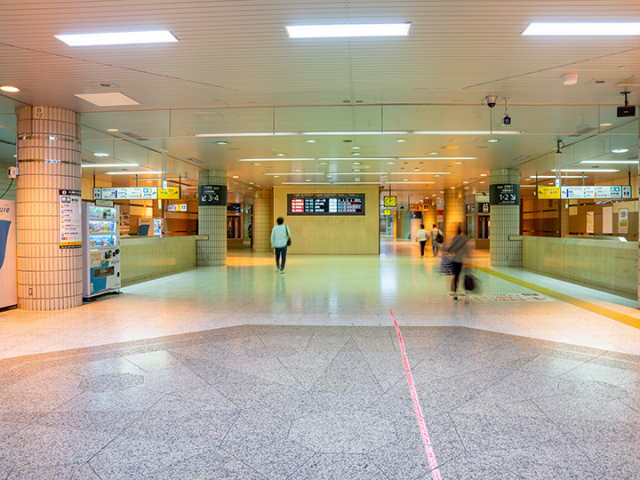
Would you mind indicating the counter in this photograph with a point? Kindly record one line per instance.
(144, 258)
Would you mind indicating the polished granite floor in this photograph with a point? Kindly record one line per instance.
(240, 372)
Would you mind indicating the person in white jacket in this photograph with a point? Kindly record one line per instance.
(421, 236)
(280, 238)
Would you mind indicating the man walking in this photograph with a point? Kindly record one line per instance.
(280, 240)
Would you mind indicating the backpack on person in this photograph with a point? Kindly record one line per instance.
(439, 237)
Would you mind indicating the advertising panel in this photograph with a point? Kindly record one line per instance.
(8, 275)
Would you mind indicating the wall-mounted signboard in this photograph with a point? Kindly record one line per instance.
(70, 219)
(325, 203)
(504, 194)
(177, 207)
(212, 195)
(585, 192)
(135, 193)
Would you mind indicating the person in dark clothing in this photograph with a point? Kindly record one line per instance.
(458, 248)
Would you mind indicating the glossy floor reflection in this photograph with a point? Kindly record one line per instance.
(241, 372)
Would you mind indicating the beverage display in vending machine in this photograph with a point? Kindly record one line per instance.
(100, 249)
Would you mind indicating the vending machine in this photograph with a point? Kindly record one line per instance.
(8, 275)
(100, 249)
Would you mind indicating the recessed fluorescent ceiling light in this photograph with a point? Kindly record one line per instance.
(421, 183)
(133, 173)
(194, 160)
(586, 170)
(439, 158)
(357, 30)
(109, 165)
(260, 134)
(117, 38)
(113, 99)
(553, 176)
(100, 154)
(591, 28)
(275, 159)
(612, 162)
(620, 150)
(420, 173)
(362, 159)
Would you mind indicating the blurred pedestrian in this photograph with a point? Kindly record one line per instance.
(437, 239)
(458, 248)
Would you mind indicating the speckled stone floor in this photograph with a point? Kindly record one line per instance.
(242, 373)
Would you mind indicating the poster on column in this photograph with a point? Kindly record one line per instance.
(623, 220)
(8, 276)
(590, 222)
(70, 219)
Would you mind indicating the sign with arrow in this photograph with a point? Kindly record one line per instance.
(212, 195)
(506, 194)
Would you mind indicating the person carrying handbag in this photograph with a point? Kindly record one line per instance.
(280, 240)
(458, 248)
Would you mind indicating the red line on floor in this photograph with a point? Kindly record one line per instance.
(426, 440)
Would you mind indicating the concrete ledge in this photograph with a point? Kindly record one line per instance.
(146, 258)
(611, 265)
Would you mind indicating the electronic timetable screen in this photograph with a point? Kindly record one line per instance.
(325, 204)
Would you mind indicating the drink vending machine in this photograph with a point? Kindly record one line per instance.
(100, 249)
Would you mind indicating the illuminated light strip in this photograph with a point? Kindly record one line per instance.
(438, 158)
(348, 30)
(605, 312)
(365, 132)
(261, 134)
(426, 440)
(453, 132)
(331, 183)
(275, 159)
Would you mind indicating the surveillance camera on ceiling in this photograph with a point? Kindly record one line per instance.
(491, 100)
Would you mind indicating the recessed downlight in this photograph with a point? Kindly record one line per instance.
(620, 150)
(100, 154)
(9, 89)
(311, 141)
(221, 142)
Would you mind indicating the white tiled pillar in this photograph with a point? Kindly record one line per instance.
(263, 220)
(49, 160)
(505, 222)
(453, 213)
(212, 221)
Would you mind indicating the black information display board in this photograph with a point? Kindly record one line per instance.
(325, 204)
(506, 194)
(212, 195)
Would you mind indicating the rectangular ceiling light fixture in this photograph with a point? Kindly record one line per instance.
(110, 99)
(612, 162)
(134, 173)
(583, 29)
(109, 165)
(594, 170)
(352, 30)
(117, 38)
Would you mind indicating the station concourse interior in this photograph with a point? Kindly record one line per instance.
(358, 360)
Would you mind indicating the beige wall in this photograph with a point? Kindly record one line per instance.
(602, 263)
(332, 235)
(146, 258)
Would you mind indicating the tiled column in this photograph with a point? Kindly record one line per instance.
(453, 213)
(49, 160)
(212, 221)
(505, 221)
(263, 220)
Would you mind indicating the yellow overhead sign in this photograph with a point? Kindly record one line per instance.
(548, 193)
(386, 212)
(169, 193)
(390, 201)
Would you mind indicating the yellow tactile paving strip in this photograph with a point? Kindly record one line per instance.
(605, 312)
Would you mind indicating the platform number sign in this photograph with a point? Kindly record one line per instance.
(209, 195)
(506, 194)
(38, 112)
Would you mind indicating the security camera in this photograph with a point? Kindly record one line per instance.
(491, 100)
